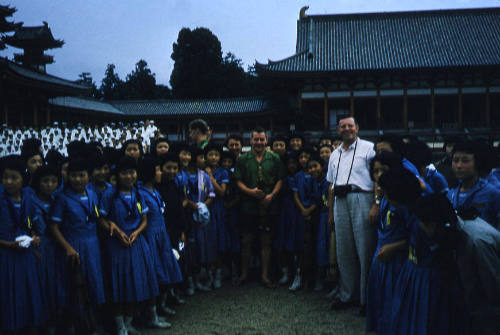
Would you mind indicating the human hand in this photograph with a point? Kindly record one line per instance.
(133, 237)
(385, 254)
(208, 170)
(257, 193)
(35, 241)
(373, 214)
(331, 224)
(72, 256)
(266, 201)
(183, 238)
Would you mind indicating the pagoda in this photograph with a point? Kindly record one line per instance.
(7, 26)
(34, 41)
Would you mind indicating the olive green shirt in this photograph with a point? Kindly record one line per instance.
(263, 175)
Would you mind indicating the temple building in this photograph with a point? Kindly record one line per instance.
(25, 87)
(420, 72)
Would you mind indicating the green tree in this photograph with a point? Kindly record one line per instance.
(85, 78)
(111, 85)
(141, 82)
(198, 56)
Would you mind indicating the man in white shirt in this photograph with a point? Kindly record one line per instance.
(349, 203)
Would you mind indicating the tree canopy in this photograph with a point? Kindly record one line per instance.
(201, 71)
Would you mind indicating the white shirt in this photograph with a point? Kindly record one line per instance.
(360, 175)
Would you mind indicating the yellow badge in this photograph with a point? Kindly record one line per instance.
(139, 207)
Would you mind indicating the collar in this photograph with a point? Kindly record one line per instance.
(353, 144)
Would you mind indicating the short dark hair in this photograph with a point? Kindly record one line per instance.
(199, 124)
(346, 116)
(236, 137)
(258, 130)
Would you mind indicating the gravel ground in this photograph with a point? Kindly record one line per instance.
(253, 309)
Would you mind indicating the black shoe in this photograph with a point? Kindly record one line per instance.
(338, 304)
(362, 311)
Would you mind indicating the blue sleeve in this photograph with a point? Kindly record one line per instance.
(225, 177)
(439, 183)
(57, 210)
(209, 185)
(141, 201)
(295, 181)
(105, 203)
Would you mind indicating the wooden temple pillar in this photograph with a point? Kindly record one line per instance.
(488, 107)
(325, 110)
(47, 115)
(433, 109)
(460, 108)
(6, 114)
(299, 101)
(405, 108)
(35, 113)
(351, 103)
(379, 109)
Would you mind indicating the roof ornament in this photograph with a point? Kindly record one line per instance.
(303, 14)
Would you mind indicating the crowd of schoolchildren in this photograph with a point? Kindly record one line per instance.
(139, 231)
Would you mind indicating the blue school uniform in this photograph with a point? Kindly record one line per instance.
(323, 234)
(285, 233)
(233, 215)
(483, 196)
(393, 223)
(422, 304)
(166, 266)
(76, 216)
(436, 181)
(52, 265)
(97, 190)
(204, 235)
(21, 288)
(306, 188)
(218, 213)
(132, 274)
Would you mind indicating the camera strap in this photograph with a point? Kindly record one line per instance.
(352, 163)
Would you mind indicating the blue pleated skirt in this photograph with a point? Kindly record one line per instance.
(166, 266)
(87, 246)
(218, 217)
(206, 244)
(132, 275)
(323, 241)
(22, 297)
(424, 306)
(52, 272)
(286, 233)
(379, 292)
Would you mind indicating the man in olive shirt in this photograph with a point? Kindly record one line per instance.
(259, 175)
(199, 133)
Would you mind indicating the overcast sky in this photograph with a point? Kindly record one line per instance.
(99, 32)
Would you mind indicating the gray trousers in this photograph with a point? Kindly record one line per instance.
(356, 242)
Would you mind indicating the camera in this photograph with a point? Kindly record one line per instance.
(342, 190)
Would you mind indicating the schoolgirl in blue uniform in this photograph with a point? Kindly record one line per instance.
(21, 287)
(322, 238)
(45, 181)
(304, 196)
(427, 298)
(473, 193)
(201, 191)
(167, 268)
(99, 175)
(132, 274)
(400, 189)
(74, 216)
(219, 177)
(283, 242)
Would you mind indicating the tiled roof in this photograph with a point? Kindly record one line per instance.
(85, 104)
(30, 74)
(392, 41)
(38, 36)
(192, 107)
